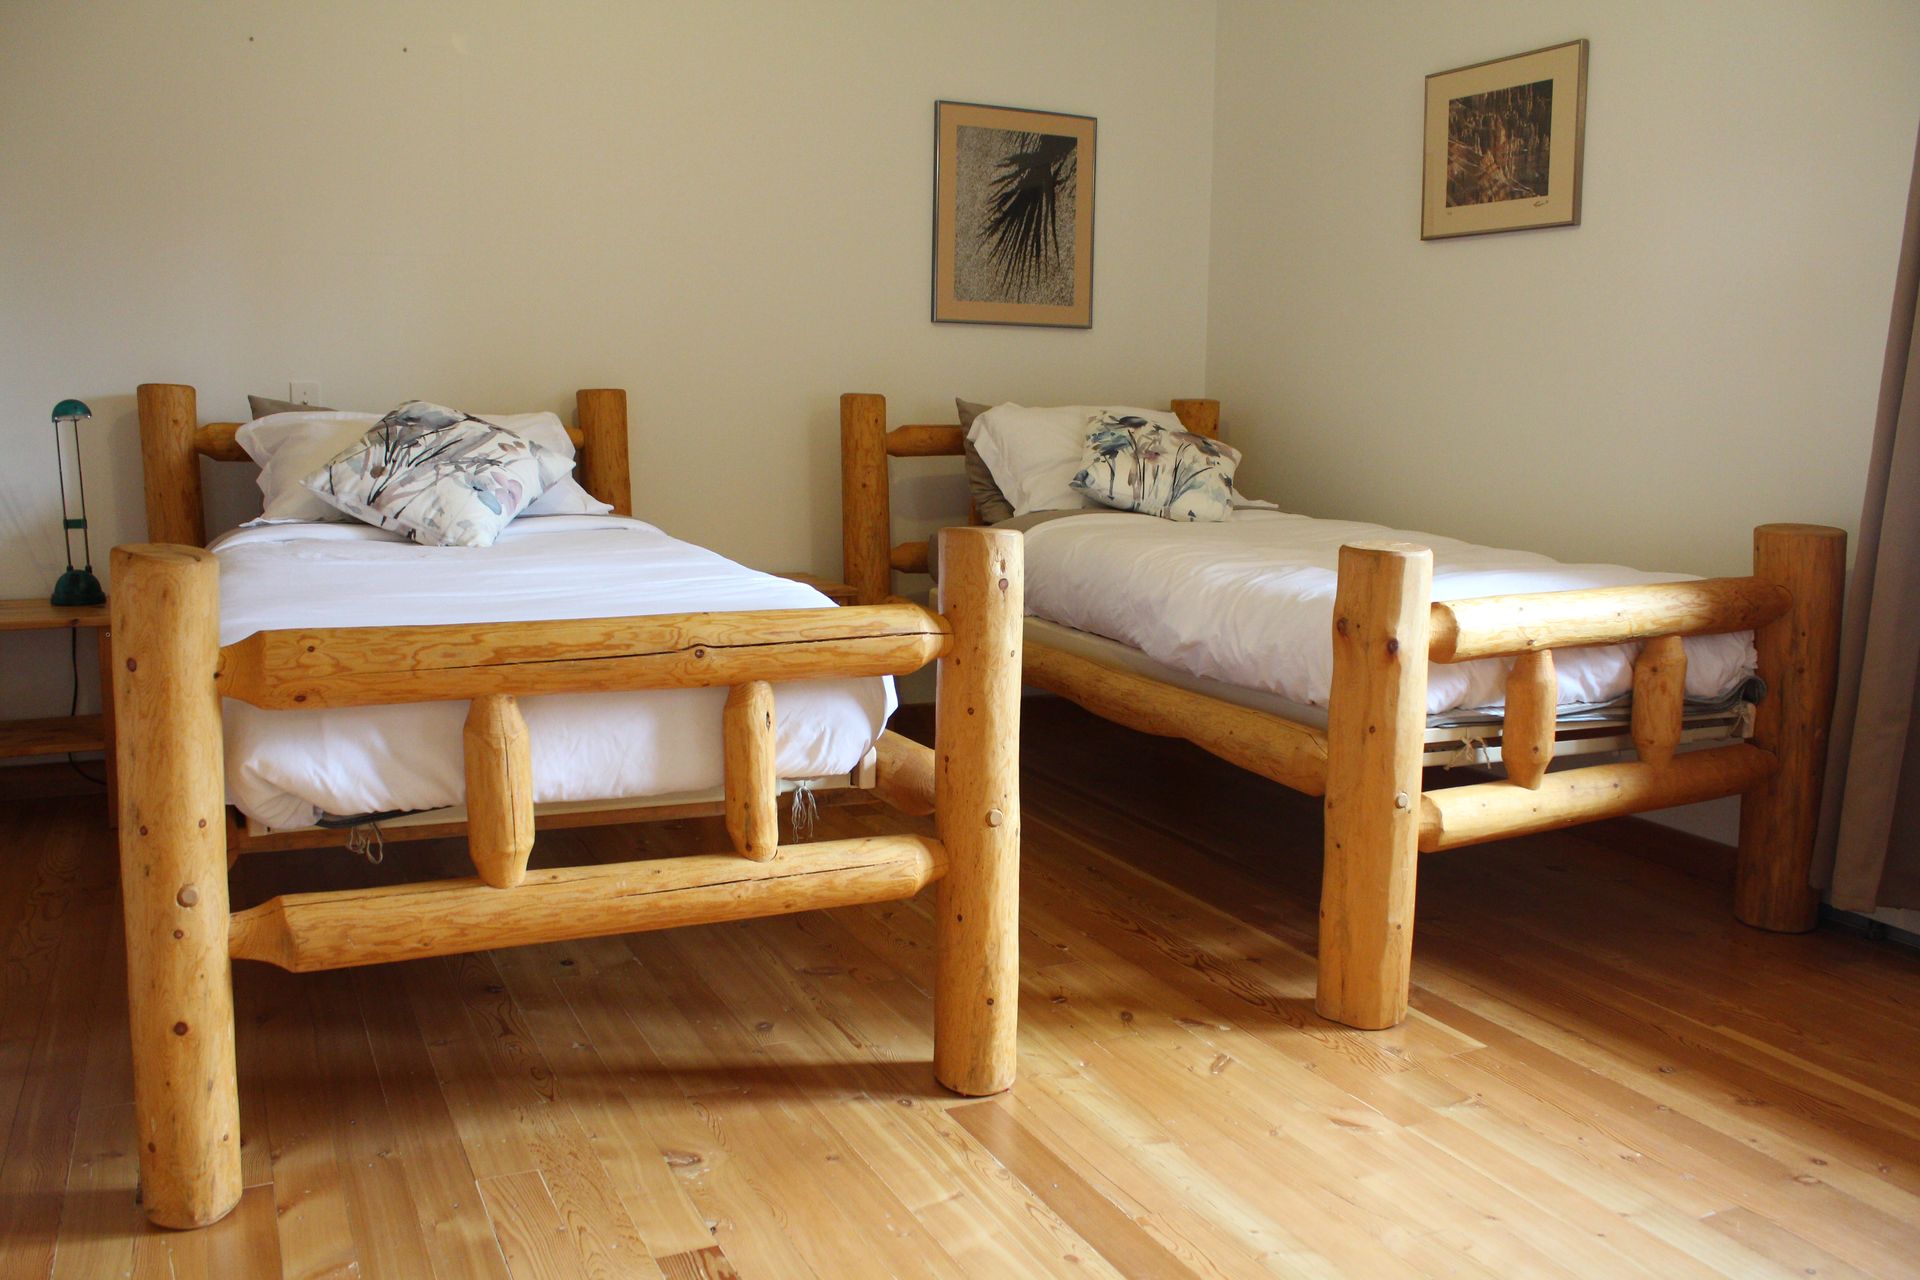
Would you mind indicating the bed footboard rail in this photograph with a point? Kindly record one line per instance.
(172, 672)
(1378, 819)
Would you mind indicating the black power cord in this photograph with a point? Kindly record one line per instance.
(73, 703)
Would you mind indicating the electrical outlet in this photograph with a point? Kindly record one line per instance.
(303, 392)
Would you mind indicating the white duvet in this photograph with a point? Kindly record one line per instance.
(1249, 601)
(287, 768)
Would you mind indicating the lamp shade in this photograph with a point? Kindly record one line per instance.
(71, 411)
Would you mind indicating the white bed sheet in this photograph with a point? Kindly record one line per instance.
(1249, 600)
(287, 768)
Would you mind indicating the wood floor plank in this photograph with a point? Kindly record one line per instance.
(442, 1192)
(1118, 1238)
(661, 1212)
(984, 1218)
(244, 1243)
(614, 1002)
(839, 1215)
(1705, 1104)
(1769, 1243)
(380, 1211)
(310, 1172)
(100, 1221)
(532, 1235)
(515, 1094)
(35, 1163)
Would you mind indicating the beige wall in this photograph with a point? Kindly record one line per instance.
(725, 208)
(1701, 355)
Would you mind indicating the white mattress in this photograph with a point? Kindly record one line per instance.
(1249, 601)
(289, 768)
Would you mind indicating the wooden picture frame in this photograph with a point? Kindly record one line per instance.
(1012, 216)
(1504, 144)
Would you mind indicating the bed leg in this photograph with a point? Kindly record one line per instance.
(1799, 660)
(173, 876)
(977, 809)
(1376, 725)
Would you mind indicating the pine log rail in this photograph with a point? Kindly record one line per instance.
(171, 673)
(1504, 626)
(1294, 755)
(308, 932)
(1453, 817)
(368, 666)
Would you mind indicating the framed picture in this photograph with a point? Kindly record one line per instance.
(1012, 216)
(1503, 144)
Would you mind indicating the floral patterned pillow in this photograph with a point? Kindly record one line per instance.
(440, 476)
(1137, 465)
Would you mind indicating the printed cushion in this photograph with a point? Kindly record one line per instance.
(442, 477)
(1133, 464)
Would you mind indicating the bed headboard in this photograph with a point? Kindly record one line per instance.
(173, 440)
(869, 556)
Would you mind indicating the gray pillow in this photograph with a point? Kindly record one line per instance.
(261, 406)
(989, 504)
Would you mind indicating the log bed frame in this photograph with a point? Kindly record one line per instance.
(1367, 761)
(170, 673)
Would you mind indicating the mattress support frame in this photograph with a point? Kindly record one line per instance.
(171, 672)
(1367, 762)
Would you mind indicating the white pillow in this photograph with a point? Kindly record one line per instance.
(567, 498)
(442, 477)
(291, 446)
(1034, 453)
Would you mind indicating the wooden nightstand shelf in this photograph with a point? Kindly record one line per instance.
(62, 735)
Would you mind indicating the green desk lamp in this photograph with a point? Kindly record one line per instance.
(76, 586)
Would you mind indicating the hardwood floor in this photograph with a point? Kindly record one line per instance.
(1603, 1074)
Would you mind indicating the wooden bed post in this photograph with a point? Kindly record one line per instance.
(171, 464)
(1376, 725)
(173, 876)
(602, 415)
(1799, 660)
(1201, 417)
(866, 523)
(977, 809)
